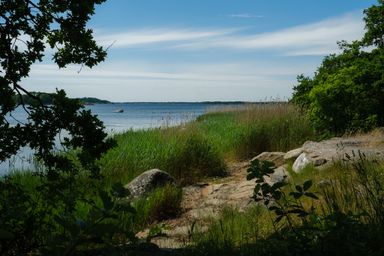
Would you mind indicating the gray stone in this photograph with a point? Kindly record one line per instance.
(301, 162)
(319, 161)
(148, 181)
(280, 174)
(293, 154)
(275, 157)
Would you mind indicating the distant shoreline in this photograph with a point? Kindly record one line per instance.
(201, 102)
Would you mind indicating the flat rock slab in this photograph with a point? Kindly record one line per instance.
(322, 153)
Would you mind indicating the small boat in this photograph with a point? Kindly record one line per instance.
(120, 110)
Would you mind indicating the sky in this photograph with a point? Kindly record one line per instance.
(205, 50)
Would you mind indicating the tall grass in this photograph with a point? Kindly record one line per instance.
(203, 147)
(161, 204)
(232, 230)
(347, 219)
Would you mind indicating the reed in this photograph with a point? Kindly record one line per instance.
(201, 148)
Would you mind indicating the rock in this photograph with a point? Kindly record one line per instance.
(148, 181)
(319, 161)
(293, 154)
(275, 157)
(301, 162)
(280, 174)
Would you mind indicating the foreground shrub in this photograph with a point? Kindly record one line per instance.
(344, 216)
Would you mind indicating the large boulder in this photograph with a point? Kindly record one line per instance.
(148, 181)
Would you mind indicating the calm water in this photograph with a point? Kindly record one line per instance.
(147, 115)
(134, 116)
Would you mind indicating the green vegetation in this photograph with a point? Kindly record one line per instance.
(346, 94)
(338, 211)
(337, 215)
(163, 203)
(34, 98)
(202, 148)
(75, 204)
(37, 98)
(61, 209)
(90, 100)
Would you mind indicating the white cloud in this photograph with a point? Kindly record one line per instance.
(311, 39)
(155, 36)
(140, 81)
(206, 75)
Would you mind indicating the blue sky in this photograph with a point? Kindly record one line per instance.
(206, 50)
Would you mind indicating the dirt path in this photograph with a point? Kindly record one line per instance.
(202, 201)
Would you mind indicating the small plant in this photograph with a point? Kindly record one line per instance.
(273, 196)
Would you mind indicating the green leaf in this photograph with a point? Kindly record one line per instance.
(296, 195)
(277, 195)
(307, 185)
(299, 188)
(273, 208)
(256, 189)
(278, 185)
(296, 211)
(311, 195)
(279, 218)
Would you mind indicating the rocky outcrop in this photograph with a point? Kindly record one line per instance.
(204, 200)
(275, 157)
(323, 153)
(293, 154)
(148, 181)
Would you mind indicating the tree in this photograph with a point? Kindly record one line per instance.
(374, 24)
(347, 91)
(26, 27)
(45, 216)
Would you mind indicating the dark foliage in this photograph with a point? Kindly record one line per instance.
(66, 209)
(347, 91)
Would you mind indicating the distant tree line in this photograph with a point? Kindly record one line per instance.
(34, 98)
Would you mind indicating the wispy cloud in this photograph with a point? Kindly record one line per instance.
(156, 82)
(245, 16)
(142, 37)
(317, 38)
(312, 39)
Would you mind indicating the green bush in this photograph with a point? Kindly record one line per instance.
(347, 91)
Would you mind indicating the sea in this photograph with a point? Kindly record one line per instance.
(120, 117)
